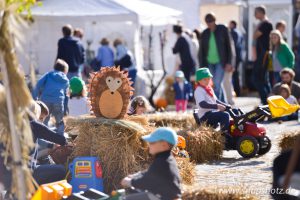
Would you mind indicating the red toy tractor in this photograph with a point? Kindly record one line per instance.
(246, 136)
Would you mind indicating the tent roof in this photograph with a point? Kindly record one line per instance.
(80, 8)
(150, 13)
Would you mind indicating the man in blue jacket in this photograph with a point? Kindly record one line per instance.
(52, 90)
(71, 51)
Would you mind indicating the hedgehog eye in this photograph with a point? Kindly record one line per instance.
(109, 79)
(118, 82)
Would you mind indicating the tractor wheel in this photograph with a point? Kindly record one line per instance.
(247, 146)
(265, 150)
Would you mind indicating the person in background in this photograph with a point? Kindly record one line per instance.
(238, 45)
(217, 52)
(105, 55)
(71, 51)
(260, 46)
(52, 89)
(163, 169)
(124, 58)
(282, 55)
(198, 36)
(78, 33)
(183, 48)
(287, 77)
(78, 103)
(285, 92)
(281, 26)
(183, 91)
(139, 106)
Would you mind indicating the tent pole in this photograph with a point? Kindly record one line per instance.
(17, 159)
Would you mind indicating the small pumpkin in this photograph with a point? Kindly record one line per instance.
(161, 103)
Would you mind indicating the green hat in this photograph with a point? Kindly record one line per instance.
(203, 73)
(76, 85)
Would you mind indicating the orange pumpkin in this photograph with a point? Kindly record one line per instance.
(161, 103)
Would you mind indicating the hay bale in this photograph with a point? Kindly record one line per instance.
(140, 119)
(172, 119)
(203, 144)
(186, 170)
(288, 140)
(116, 142)
(217, 194)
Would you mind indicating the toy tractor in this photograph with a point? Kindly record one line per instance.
(248, 137)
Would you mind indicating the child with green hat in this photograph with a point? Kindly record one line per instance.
(78, 101)
(211, 110)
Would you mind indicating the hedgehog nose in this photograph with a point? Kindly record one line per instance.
(112, 92)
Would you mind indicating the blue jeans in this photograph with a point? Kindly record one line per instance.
(218, 74)
(57, 111)
(213, 118)
(260, 79)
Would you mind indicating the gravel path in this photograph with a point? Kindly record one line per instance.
(253, 175)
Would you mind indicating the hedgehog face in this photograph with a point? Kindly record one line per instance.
(113, 83)
(110, 90)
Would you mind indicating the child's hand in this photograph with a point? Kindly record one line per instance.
(126, 182)
(221, 107)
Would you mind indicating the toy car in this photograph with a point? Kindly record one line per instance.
(86, 173)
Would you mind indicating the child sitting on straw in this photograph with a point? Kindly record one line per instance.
(211, 110)
(162, 178)
(52, 90)
(78, 100)
(139, 106)
(183, 91)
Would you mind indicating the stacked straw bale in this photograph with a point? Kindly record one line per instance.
(216, 194)
(174, 120)
(203, 143)
(288, 140)
(116, 142)
(118, 145)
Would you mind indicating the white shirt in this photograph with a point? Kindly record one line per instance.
(292, 100)
(201, 95)
(78, 106)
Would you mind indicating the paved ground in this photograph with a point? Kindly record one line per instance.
(254, 175)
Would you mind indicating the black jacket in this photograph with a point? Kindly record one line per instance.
(71, 51)
(182, 47)
(224, 45)
(41, 131)
(162, 177)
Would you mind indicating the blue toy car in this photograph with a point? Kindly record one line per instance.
(86, 173)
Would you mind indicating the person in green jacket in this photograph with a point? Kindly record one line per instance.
(282, 55)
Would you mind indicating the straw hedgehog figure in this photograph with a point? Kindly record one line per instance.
(110, 91)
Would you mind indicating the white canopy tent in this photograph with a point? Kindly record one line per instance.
(98, 19)
(159, 19)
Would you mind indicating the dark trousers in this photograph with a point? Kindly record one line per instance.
(279, 168)
(49, 173)
(236, 80)
(213, 118)
(260, 79)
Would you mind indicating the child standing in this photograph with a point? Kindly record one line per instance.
(211, 110)
(163, 170)
(52, 90)
(183, 91)
(78, 104)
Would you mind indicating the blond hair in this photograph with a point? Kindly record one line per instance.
(286, 88)
(279, 35)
